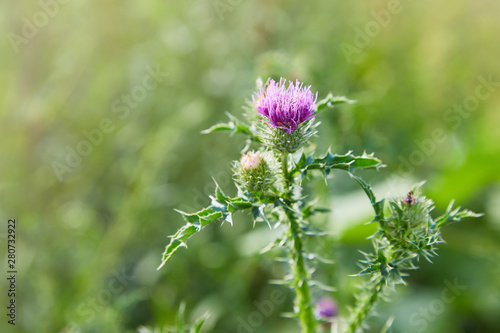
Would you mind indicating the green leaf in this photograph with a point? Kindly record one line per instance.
(234, 126)
(278, 242)
(381, 258)
(454, 215)
(239, 203)
(378, 206)
(330, 101)
(325, 164)
(221, 209)
(322, 286)
(259, 215)
(367, 270)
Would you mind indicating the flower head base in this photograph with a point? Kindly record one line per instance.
(286, 114)
(286, 108)
(253, 173)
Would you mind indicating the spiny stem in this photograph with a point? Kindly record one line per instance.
(284, 167)
(300, 274)
(300, 278)
(365, 305)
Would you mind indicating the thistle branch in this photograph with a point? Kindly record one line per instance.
(366, 302)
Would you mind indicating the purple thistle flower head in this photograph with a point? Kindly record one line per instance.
(284, 107)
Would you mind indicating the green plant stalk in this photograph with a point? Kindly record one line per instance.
(286, 176)
(365, 305)
(300, 274)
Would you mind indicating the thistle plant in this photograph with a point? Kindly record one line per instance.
(280, 122)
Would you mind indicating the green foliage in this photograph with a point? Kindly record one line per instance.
(330, 101)
(407, 232)
(278, 204)
(454, 215)
(233, 126)
(222, 208)
(347, 162)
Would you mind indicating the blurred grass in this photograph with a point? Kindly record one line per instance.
(113, 212)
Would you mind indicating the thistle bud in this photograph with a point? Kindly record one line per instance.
(251, 161)
(407, 225)
(253, 173)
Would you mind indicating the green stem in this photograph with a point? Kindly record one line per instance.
(284, 167)
(300, 278)
(300, 274)
(365, 305)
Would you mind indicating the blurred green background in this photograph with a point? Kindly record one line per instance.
(93, 224)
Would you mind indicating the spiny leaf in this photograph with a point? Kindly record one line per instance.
(322, 286)
(259, 215)
(378, 206)
(239, 203)
(278, 242)
(177, 241)
(221, 209)
(309, 208)
(367, 270)
(234, 126)
(454, 215)
(330, 100)
(325, 164)
(315, 257)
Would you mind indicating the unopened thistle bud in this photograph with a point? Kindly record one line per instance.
(251, 162)
(409, 220)
(253, 173)
(287, 114)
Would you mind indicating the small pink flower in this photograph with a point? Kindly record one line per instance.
(251, 161)
(326, 308)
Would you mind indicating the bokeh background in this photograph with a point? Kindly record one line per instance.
(91, 230)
